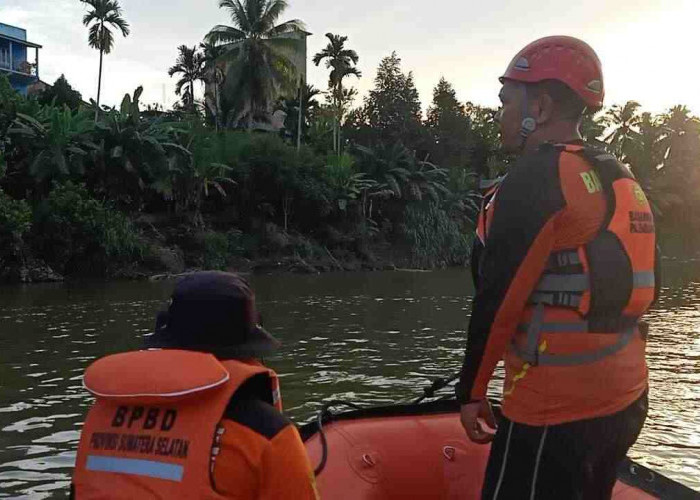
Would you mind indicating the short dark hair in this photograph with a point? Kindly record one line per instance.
(569, 105)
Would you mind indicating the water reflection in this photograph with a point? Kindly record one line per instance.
(374, 338)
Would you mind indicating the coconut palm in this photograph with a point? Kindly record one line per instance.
(189, 64)
(681, 134)
(258, 53)
(214, 77)
(104, 14)
(676, 182)
(624, 121)
(646, 154)
(592, 128)
(341, 61)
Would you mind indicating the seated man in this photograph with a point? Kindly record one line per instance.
(199, 417)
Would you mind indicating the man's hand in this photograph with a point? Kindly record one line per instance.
(470, 414)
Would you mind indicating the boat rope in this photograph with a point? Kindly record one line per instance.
(438, 384)
(325, 413)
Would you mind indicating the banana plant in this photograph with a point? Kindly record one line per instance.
(60, 141)
(135, 153)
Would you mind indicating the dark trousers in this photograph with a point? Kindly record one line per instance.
(576, 460)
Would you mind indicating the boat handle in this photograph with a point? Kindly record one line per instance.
(635, 472)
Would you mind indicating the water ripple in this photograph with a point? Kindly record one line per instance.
(369, 338)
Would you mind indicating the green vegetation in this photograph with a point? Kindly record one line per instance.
(61, 93)
(257, 54)
(78, 234)
(133, 192)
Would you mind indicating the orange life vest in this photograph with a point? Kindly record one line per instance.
(488, 192)
(153, 427)
(610, 281)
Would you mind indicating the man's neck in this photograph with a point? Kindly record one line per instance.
(558, 133)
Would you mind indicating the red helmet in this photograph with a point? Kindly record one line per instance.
(564, 58)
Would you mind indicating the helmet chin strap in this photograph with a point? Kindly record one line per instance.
(528, 125)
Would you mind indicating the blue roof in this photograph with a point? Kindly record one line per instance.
(16, 35)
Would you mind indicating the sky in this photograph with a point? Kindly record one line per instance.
(648, 47)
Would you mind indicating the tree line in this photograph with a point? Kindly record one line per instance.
(97, 190)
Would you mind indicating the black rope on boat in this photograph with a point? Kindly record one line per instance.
(324, 412)
(438, 383)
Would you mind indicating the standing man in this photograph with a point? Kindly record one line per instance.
(200, 417)
(564, 264)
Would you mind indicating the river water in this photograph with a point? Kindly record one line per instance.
(372, 338)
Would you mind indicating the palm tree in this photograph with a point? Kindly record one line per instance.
(592, 128)
(624, 120)
(646, 153)
(290, 106)
(213, 76)
(189, 64)
(681, 132)
(104, 14)
(259, 55)
(676, 180)
(341, 62)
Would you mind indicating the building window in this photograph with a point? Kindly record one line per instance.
(4, 57)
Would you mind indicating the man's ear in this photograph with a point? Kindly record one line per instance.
(545, 109)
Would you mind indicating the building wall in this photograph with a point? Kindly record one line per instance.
(299, 59)
(20, 87)
(19, 56)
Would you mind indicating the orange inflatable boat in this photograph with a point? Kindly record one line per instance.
(420, 451)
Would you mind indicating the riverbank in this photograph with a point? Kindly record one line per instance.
(168, 247)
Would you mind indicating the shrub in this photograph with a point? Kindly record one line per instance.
(72, 230)
(15, 222)
(434, 237)
(216, 250)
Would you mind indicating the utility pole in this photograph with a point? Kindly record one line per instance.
(299, 118)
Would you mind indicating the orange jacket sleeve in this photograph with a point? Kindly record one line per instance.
(286, 469)
(519, 241)
(265, 463)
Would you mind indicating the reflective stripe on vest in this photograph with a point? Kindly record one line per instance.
(535, 355)
(137, 467)
(581, 283)
(537, 358)
(643, 279)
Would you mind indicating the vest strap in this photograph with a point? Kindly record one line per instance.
(557, 327)
(556, 299)
(563, 259)
(563, 283)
